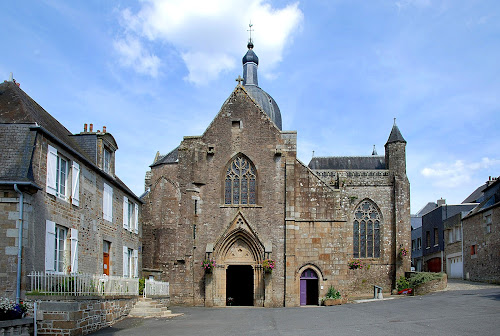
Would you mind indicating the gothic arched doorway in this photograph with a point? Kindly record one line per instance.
(239, 285)
(238, 279)
(309, 292)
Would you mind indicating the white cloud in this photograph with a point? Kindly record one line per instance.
(451, 175)
(134, 55)
(210, 36)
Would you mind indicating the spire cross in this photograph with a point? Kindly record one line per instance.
(250, 25)
(239, 80)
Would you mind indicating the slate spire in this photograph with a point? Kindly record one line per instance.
(395, 135)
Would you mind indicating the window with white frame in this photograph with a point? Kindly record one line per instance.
(487, 221)
(58, 181)
(130, 262)
(107, 161)
(107, 203)
(61, 248)
(130, 215)
(458, 233)
(419, 243)
(450, 236)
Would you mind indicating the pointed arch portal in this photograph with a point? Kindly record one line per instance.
(239, 277)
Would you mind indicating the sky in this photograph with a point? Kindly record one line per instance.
(154, 71)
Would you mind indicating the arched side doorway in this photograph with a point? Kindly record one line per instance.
(309, 288)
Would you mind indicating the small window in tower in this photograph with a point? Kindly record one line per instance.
(236, 123)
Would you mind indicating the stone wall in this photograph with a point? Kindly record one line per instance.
(431, 286)
(484, 265)
(81, 316)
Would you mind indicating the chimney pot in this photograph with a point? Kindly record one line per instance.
(91, 127)
(103, 129)
(85, 128)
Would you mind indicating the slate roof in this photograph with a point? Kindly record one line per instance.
(21, 118)
(477, 195)
(395, 135)
(16, 150)
(172, 157)
(266, 102)
(16, 107)
(348, 162)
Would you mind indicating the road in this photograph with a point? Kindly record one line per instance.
(451, 312)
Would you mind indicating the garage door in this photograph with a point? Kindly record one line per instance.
(454, 267)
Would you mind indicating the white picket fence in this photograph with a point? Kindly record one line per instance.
(82, 284)
(156, 288)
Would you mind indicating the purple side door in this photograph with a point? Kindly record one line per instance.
(303, 292)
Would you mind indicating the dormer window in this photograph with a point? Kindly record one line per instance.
(107, 161)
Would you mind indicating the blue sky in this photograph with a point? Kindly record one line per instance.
(340, 70)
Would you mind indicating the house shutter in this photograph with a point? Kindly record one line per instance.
(74, 250)
(136, 219)
(51, 170)
(107, 207)
(75, 185)
(125, 212)
(136, 263)
(50, 245)
(125, 261)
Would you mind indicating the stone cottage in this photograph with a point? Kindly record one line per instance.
(238, 196)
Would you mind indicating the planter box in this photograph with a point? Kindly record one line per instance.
(333, 302)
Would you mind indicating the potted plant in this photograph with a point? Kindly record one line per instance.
(332, 297)
(357, 264)
(268, 265)
(403, 252)
(208, 265)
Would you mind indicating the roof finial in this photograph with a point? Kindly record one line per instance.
(250, 42)
(313, 153)
(394, 121)
(374, 151)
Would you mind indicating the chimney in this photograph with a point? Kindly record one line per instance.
(441, 202)
(85, 128)
(103, 129)
(91, 128)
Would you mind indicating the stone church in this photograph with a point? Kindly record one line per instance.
(237, 196)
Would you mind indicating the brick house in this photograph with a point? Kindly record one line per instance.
(481, 237)
(238, 195)
(76, 215)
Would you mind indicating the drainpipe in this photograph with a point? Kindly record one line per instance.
(20, 244)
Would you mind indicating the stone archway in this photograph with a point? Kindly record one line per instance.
(239, 274)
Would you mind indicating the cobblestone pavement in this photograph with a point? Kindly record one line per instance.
(457, 284)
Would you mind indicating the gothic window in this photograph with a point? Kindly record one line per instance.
(366, 231)
(240, 182)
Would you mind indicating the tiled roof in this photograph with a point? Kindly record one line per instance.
(348, 162)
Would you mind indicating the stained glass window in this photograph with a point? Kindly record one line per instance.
(366, 231)
(240, 186)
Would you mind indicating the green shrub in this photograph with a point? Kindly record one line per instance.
(403, 283)
(142, 284)
(423, 277)
(332, 293)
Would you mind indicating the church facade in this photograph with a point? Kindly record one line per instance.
(273, 230)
